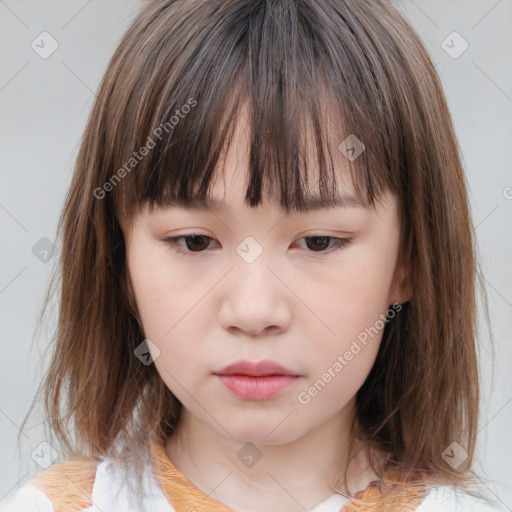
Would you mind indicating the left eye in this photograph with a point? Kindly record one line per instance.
(197, 243)
(323, 241)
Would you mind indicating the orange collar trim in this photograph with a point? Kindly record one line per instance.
(179, 491)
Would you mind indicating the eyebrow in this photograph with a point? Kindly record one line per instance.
(311, 203)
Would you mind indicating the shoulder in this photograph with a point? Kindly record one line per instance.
(65, 487)
(448, 499)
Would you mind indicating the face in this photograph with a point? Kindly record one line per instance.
(309, 292)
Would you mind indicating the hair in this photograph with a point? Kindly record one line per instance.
(309, 71)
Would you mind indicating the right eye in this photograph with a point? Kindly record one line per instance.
(193, 242)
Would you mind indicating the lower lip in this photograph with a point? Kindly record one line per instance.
(257, 388)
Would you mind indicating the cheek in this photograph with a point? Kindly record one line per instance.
(172, 312)
(336, 377)
(165, 323)
(162, 296)
(341, 363)
(152, 301)
(351, 303)
(351, 297)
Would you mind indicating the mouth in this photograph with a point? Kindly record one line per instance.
(256, 369)
(256, 381)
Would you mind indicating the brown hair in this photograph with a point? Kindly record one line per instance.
(302, 67)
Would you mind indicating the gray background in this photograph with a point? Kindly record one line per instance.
(44, 104)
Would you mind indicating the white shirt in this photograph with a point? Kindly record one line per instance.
(109, 480)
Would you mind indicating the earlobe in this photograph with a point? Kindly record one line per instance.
(131, 303)
(127, 293)
(401, 290)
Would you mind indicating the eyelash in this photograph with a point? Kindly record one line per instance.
(338, 243)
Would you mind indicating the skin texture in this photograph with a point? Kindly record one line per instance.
(296, 304)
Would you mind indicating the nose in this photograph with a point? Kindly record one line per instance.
(255, 299)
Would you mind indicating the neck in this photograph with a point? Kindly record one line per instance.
(295, 475)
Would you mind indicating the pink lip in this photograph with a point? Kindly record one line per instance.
(256, 388)
(260, 369)
(256, 381)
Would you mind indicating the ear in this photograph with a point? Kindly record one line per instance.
(127, 293)
(129, 296)
(401, 288)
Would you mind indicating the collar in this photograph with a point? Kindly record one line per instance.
(184, 496)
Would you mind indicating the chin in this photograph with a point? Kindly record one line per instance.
(271, 430)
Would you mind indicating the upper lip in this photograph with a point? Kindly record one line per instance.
(255, 369)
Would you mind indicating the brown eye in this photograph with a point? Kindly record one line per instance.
(317, 243)
(197, 243)
(193, 243)
(321, 243)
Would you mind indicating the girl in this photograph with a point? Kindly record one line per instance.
(267, 293)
